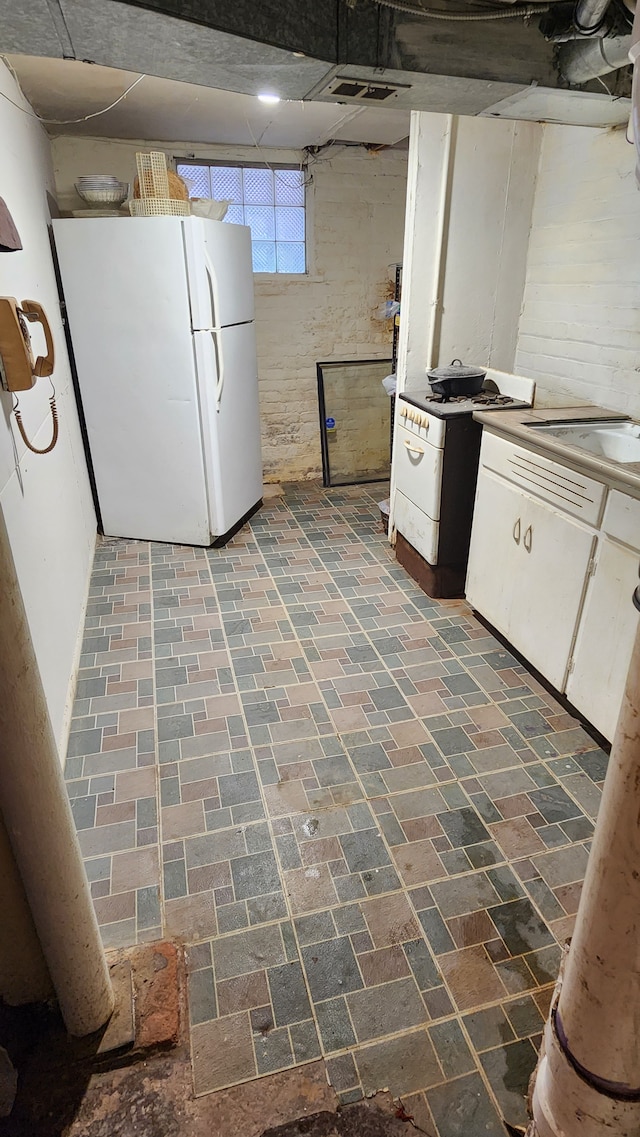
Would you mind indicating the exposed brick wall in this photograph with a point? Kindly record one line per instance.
(579, 335)
(356, 205)
(356, 224)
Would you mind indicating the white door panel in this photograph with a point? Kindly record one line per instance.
(527, 572)
(418, 470)
(220, 273)
(605, 638)
(227, 371)
(551, 577)
(493, 553)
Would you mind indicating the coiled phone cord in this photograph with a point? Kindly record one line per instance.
(54, 435)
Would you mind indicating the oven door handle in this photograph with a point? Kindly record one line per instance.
(410, 446)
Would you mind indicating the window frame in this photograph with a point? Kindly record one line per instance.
(273, 166)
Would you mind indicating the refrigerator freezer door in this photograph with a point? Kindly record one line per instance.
(220, 273)
(127, 302)
(227, 374)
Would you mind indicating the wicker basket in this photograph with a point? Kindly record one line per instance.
(159, 207)
(157, 191)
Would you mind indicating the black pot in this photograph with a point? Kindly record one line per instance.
(456, 379)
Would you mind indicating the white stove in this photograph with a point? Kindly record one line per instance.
(435, 469)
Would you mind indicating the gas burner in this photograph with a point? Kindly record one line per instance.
(491, 398)
(483, 398)
(446, 398)
(459, 406)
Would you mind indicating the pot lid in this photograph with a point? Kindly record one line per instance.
(456, 370)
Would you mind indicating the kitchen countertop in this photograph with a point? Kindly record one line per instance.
(515, 424)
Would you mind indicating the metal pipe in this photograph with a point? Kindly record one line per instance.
(588, 1078)
(525, 11)
(589, 15)
(581, 61)
(39, 823)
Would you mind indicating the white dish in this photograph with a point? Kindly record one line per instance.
(101, 179)
(104, 195)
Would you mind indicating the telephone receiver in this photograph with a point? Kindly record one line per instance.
(19, 368)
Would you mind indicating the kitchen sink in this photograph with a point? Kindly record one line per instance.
(619, 441)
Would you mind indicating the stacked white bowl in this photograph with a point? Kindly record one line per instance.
(102, 190)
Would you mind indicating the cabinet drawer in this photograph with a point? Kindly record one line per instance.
(418, 471)
(622, 519)
(420, 531)
(566, 489)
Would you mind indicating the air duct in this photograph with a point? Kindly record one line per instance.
(583, 60)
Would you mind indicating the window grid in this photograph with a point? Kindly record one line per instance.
(270, 201)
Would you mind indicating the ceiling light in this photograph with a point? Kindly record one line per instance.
(269, 98)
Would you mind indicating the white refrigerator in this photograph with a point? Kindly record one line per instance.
(161, 318)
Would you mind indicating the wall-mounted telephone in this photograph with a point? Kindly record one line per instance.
(19, 368)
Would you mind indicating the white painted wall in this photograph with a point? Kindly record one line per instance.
(356, 207)
(491, 202)
(469, 204)
(46, 499)
(579, 334)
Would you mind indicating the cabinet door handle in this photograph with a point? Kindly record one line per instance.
(410, 446)
(516, 532)
(527, 539)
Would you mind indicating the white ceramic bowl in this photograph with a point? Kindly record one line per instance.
(105, 195)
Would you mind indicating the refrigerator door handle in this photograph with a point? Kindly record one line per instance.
(217, 348)
(213, 289)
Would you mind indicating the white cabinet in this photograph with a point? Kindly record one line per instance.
(528, 567)
(605, 638)
(558, 588)
(493, 553)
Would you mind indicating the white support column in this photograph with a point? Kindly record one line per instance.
(24, 977)
(39, 823)
(431, 150)
(431, 154)
(587, 1083)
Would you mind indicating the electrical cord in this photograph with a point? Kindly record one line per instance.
(464, 17)
(53, 410)
(72, 121)
(304, 181)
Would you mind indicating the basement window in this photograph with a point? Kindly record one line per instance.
(269, 200)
